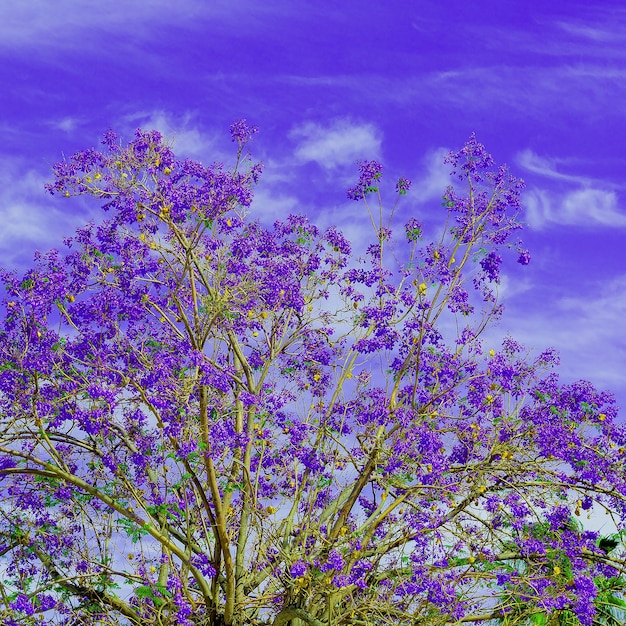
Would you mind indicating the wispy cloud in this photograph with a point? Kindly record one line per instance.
(270, 205)
(545, 166)
(66, 124)
(587, 207)
(434, 177)
(606, 27)
(513, 287)
(341, 142)
(37, 23)
(31, 219)
(577, 201)
(603, 312)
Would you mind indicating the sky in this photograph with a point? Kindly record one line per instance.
(542, 84)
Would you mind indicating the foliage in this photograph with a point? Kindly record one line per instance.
(608, 595)
(205, 421)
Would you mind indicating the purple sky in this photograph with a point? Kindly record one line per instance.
(543, 85)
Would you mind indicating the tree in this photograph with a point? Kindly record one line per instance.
(205, 421)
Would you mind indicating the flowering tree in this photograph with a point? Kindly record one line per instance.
(204, 421)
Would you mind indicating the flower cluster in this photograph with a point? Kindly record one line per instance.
(241, 133)
(370, 173)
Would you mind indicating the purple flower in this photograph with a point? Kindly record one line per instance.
(201, 561)
(403, 185)
(333, 562)
(471, 160)
(369, 173)
(491, 266)
(524, 257)
(413, 230)
(241, 132)
(23, 604)
(337, 240)
(299, 568)
(7, 461)
(341, 580)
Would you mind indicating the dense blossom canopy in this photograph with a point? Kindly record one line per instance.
(205, 421)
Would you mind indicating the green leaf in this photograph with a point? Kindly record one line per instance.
(539, 619)
(144, 591)
(59, 344)
(156, 510)
(133, 531)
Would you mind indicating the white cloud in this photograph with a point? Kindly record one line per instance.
(67, 124)
(579, 207)
(37, 23)
(510, 287)
(597, 205)
(433, 183)
(603, 315)
(546, 167)
(31, 219)
(268, 206)
(600, 33)
(580, 201)
(340, 143)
